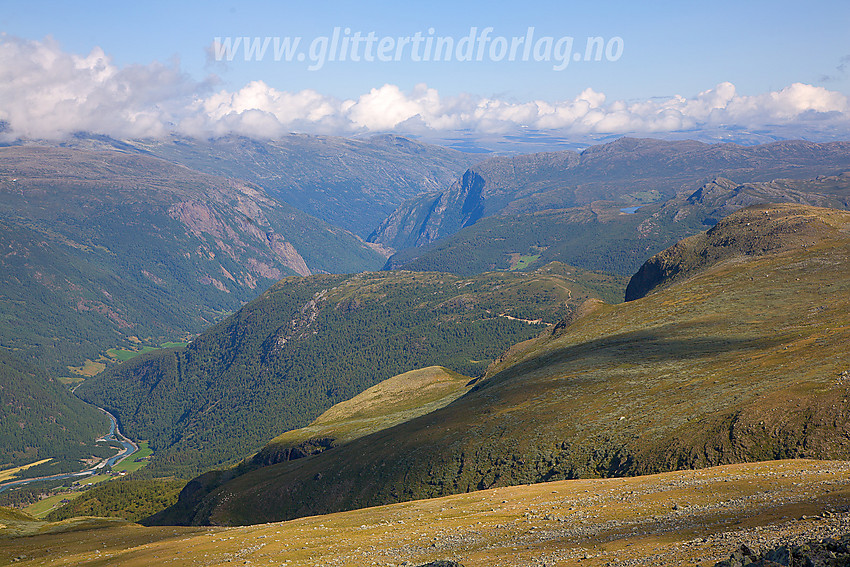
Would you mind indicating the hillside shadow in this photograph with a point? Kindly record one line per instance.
(666, 343)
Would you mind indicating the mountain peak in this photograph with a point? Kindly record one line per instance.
(753, 231)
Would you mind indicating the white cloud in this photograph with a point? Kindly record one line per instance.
(48, 93)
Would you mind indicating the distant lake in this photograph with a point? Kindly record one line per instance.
(630, 210)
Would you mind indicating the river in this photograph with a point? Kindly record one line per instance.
(114, 435)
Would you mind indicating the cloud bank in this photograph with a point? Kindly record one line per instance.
(46, 93)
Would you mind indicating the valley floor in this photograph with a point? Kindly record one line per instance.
(680, 518)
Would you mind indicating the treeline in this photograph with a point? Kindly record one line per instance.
(130, 499)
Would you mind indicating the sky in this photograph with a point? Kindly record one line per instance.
(569, 69)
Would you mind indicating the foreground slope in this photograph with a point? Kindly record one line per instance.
(743, 359)
(40, 419)
(308, 343)
(678, 518)
(103, 246)
(393, 401)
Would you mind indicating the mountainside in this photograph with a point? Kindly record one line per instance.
(308, 343)
(103, 246)
(742, 358)
(607, 236)
(629, 171)
(40, 419)
(351, 183)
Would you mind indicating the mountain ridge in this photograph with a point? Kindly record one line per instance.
(630, 170)
(605, 235)
(308, 343)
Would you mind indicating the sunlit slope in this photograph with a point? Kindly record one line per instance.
(389, 403)
(678, 518)
(393, 401)
(744, 360)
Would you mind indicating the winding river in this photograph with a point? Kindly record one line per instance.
(114, 435)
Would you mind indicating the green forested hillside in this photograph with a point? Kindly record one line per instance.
(741, 358)
(597, 237)
(100, 247)
(131, 499)
(309, 343)
(41, 419)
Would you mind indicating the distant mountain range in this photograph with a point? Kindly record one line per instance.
(349, 183)
(609, 207)
(606, 235)
(734, 349)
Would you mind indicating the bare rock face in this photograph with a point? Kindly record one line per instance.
(287, 254)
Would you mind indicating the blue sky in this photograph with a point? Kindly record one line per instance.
(668, 48)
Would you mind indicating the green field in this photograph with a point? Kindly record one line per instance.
(41, 508)
(522, 262)
(124, 355)
(129, 464)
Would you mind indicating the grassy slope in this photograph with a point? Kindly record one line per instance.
(309, 343)
(741, 362)
(679, 518)
(393, 401)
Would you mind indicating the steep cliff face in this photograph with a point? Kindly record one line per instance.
(425, 220)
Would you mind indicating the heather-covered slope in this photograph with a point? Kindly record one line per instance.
(743, 358)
